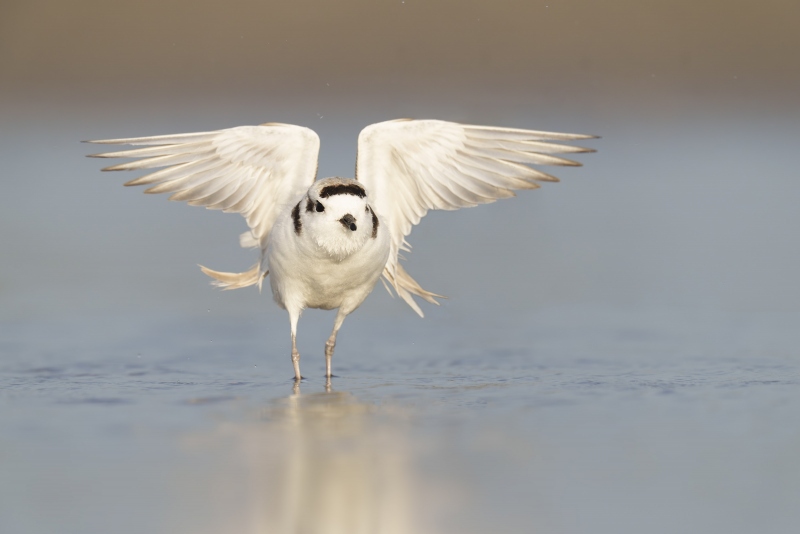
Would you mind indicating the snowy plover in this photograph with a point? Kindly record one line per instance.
(325, 243)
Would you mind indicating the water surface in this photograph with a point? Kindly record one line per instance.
(619, 354)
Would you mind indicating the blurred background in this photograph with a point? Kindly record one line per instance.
(658, 280)
(690, 201)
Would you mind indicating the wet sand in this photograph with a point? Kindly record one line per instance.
(580, 422)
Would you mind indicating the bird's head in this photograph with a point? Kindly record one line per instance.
(337, 216)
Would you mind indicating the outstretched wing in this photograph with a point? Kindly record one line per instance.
(412, 166)
(252, 170)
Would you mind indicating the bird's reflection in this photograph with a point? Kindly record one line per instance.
(347, 468)
(317, 462)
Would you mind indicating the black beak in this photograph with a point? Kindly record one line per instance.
(348, 221)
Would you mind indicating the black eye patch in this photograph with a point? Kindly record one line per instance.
(298, 224)
(320, 207)
(374, 223)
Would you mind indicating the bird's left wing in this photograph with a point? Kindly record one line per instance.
(251, 170)
(412, 166)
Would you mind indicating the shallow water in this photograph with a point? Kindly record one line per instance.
(619, 355)
(575, 422)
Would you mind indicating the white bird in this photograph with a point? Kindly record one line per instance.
(325, 243)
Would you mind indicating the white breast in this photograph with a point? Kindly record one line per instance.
(304, 275)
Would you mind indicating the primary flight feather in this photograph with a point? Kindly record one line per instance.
(325, 243)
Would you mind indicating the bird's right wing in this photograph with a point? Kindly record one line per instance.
(251, 170)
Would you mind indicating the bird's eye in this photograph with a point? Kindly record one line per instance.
(320, 207)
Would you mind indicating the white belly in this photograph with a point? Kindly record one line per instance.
(303, 276)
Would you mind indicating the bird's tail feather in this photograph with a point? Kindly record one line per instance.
(405, 286)
(236, 280)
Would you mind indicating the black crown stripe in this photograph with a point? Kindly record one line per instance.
(342, 189)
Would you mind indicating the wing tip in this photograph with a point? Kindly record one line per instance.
(576, 137)
(570, 163)
(583, 136)
(118, 167)
(106, 141)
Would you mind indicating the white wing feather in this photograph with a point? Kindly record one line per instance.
(252, 170)
(412, 166)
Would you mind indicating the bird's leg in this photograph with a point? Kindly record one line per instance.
(331, 343)
(295, 358)
(293, 317)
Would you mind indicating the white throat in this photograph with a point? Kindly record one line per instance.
(331, 234)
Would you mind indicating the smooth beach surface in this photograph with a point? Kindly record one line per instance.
(567, 420)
